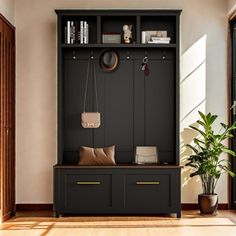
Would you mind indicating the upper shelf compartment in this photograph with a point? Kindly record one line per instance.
(80, 27)
(159, 23)
(114, 25)
(101, 22)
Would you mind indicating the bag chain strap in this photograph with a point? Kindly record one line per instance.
(86, 86)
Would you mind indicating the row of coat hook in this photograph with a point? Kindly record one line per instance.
(127, 55)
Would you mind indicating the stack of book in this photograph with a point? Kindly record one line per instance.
(160, 40)
(155, 36)
(77, 32)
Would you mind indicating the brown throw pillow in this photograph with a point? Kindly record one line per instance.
(97, 156)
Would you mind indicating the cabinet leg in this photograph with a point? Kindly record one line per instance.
(178, 214)
(56, 214)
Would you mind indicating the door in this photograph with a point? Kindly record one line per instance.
(233, 110)
(7, 120)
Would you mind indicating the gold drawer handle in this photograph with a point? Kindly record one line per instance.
(88, 182)
(147, 183)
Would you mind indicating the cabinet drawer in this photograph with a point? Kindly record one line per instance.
(147, 192)
(87, 192)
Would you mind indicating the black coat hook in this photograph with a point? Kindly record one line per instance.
(74, 55)
(91, 55)
(164, 55)
(127, 55)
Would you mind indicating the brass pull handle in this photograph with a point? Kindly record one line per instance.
(88, 182)
(147, 182)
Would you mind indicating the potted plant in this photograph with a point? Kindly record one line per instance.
(206, 162)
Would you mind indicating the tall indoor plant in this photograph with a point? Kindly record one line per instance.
(207, 149)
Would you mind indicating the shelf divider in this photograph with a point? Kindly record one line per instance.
(138, 31)
(99, 26)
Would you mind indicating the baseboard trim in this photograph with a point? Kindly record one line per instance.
(7, 216)
(34, 207)
(194, 206)
(49, 207)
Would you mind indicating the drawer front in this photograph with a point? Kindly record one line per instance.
(87, 193)
(147, 193)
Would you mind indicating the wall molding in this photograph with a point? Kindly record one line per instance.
(7, 21)
(34, 207)
(49, 206)
(7, 216)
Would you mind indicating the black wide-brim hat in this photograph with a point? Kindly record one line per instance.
(109, 60)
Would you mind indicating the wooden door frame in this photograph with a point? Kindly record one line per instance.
(8, 22)
(11, 213)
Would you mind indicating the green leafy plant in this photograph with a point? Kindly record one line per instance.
(207, 148)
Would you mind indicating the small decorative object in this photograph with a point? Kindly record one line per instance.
(97, 156)
(146, 155)
(109, 60)
(111, 38)
(206, 161)
(90, 119)
(161, 33)
(127, 33)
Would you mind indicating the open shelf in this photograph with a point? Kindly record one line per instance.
(116, 23)
(107, 23)
(91, 20)
(118, 45)
(161, 23)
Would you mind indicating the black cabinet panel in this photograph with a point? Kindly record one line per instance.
(147, 192)
(74, 89)
(135, 110)
(118, 110)
(87, 192)
(159, 107)
(116, 190)
(154, 107)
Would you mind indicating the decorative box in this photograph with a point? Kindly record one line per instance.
(111, 38)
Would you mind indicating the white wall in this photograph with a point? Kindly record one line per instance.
(7, 9)
(203, 83)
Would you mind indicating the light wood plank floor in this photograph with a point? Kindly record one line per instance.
(191, 224)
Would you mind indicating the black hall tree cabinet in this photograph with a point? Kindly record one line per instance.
(136, 110)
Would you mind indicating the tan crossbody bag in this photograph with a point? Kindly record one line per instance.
(90, 120)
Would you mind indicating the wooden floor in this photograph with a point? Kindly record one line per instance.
(191, 224)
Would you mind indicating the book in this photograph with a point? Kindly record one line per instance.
(72, 33)
(159, 42)
(143, 37)
(68, 32)
(85, 32)
(161, 38)
(81, 32)
(76, 32)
